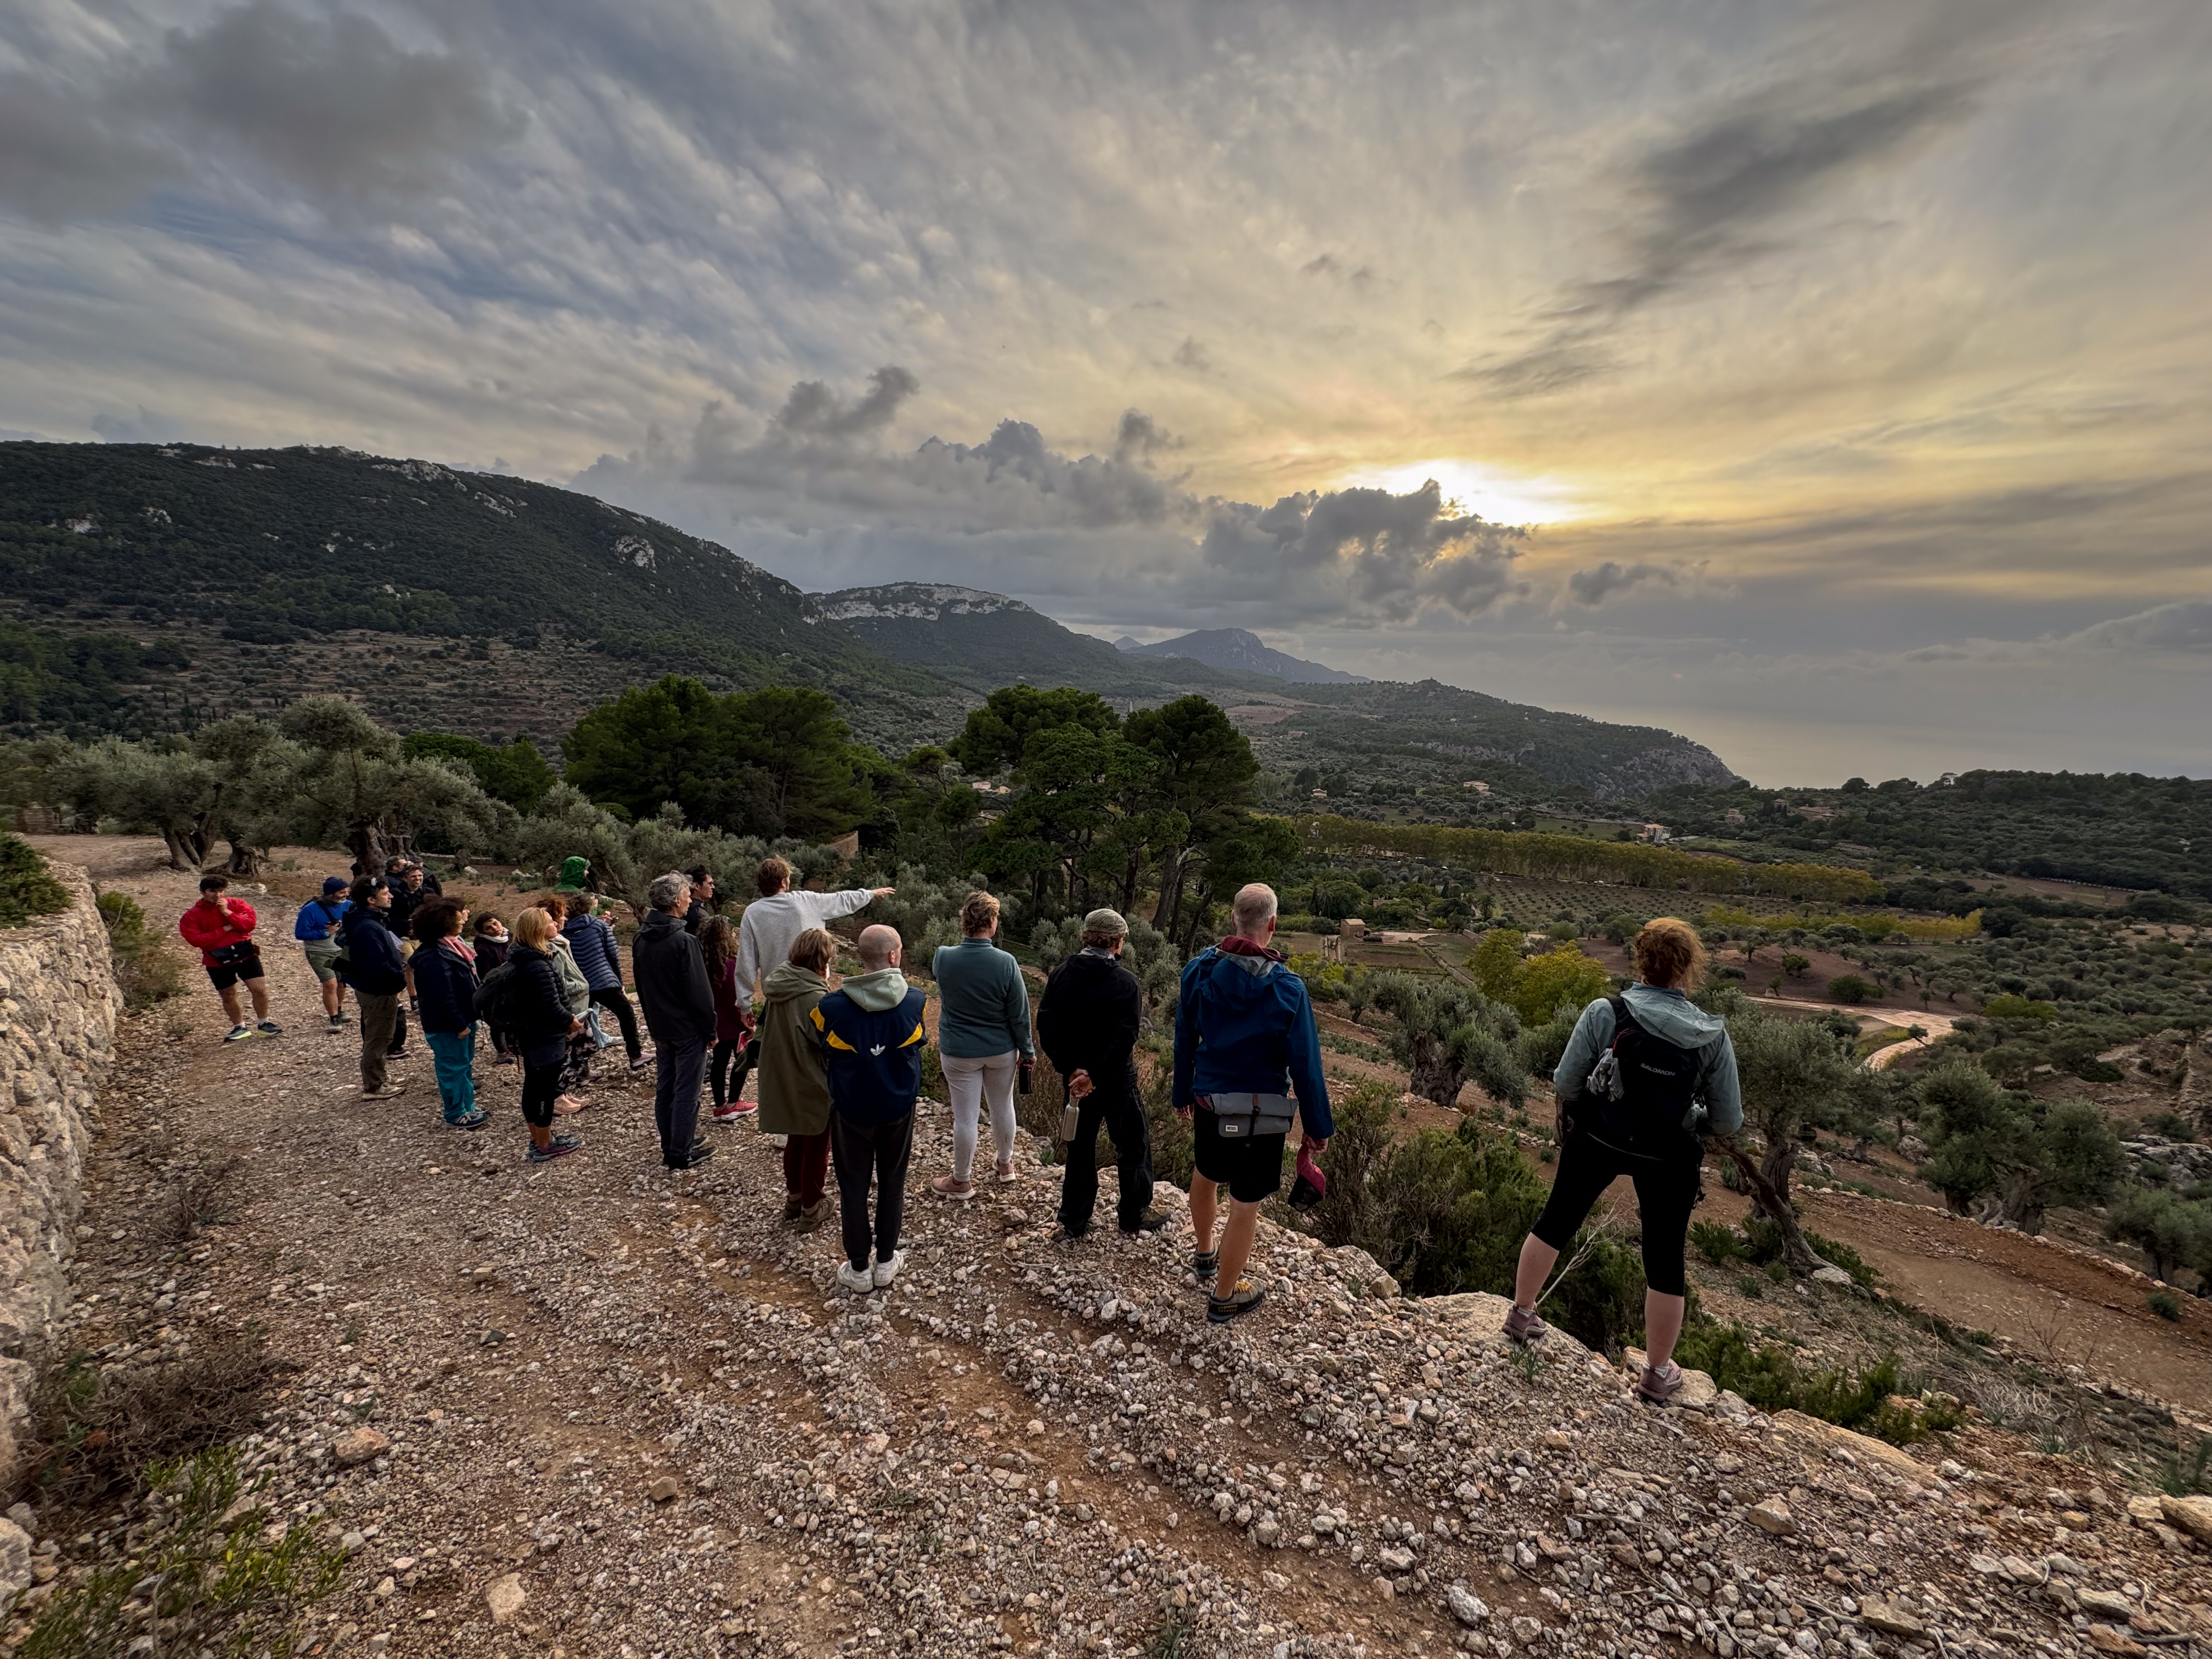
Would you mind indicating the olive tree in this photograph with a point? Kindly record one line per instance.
(1447, 1034)
(1797, 1076)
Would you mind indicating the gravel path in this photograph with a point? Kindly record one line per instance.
(595, 1409)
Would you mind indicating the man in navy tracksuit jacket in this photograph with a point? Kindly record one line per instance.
(1243, 1027)
(873, 1037)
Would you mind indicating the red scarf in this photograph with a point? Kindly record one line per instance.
(454, 944)
(1237, 945)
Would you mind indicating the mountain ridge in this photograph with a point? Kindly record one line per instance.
(1240, 650)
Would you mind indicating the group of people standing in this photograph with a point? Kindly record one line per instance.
(839, 1062)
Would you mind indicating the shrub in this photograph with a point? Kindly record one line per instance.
(212, 1590)
(1853, 989)
(92, 1434)
(1772, 1381)
(145, 967)
(1717, 1242)
(2009, 1007)
(2164, 1304)
(26, 890)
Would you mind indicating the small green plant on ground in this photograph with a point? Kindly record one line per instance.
(1173, 1638)
(2186, 1473)
(209, 1588)
(1718, 1243)
(2164, 1304)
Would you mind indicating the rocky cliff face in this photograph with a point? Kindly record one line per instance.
(59, 1007)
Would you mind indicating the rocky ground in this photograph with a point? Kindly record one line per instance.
(596, 1408)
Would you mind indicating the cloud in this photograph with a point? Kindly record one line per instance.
(1014, 512)
(333, 106)
(146, 427)
(1594, 586)
(2185, 625)
(1721, 189)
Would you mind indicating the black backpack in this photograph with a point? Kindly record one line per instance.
(1641, 1096)
(495, 997)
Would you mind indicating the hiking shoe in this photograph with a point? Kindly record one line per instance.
(1070, 1233)
(1205, 1266)
(1150, 1222)
(813, 1216)
(699, 1154)
(888, 1270)
(239, 1033)
(1005, 1171)
(558, 1146)
(733, 1113)
(400, 1053)
(790, 1207)
(639, 1062)
(269, 1027)
(385, 1092)
(503, 1058)
(859, 1280)
(469, 1119)
(959, 1191)
(1661, 1383)
(1522, 1326)
(336, 1022)
(1246, 1296)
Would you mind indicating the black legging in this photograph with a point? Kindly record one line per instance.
(1666, 1192)
(726, 1050)
(611, 997)
(541, 1087)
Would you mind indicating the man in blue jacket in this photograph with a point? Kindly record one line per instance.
(872, 1033)
(1245, 1041)
(378, 974)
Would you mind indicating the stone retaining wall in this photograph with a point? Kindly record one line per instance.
(58, 1008)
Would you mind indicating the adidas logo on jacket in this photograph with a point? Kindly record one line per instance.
(870, 1030)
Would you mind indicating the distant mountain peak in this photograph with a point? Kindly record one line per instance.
(1128, 642)
(1242, 651)
(919, 601)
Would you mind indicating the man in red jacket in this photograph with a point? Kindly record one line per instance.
(222, 930)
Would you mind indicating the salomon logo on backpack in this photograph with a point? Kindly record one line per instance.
(1641, 1094)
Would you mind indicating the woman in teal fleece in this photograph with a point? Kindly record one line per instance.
(982, 1037)
(1687, 1049)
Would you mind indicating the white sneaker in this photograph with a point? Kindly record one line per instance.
(887, 1270)
(858, 1280)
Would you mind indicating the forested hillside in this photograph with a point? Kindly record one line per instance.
(2118, 829)
(217, 552)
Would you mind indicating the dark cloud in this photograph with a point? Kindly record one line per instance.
(1594, 586)
(812, 410)
(1382, 557)
(333, 106)
(1141, 437)
(1194, 356)
(1719, 190)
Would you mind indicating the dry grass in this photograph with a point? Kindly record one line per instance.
(202, 1196)
(93, 1431)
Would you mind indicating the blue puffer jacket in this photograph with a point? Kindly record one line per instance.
(1244, 1024)
(444, 990)
(591, 942)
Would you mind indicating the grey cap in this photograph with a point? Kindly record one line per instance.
(1105, 922)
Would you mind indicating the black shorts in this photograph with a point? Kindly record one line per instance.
(1253, 1166)
(228, 974)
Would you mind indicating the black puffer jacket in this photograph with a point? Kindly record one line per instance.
(1089, 1020)
(537, 1013)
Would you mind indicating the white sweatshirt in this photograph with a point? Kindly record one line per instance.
(765, 935)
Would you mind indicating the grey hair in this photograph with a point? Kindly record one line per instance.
(668, 892)
(1254, 906)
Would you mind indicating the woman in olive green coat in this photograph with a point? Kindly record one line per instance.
(794, 1090)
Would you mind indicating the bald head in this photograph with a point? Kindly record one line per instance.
(879, 947)
(1254, 912)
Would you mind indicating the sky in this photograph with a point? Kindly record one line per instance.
(1829, 382)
